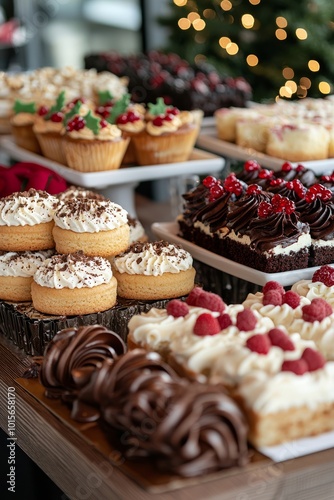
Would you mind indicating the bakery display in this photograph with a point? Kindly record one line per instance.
(154, 270)
(94, 226)
(187, 87)
(26, 221)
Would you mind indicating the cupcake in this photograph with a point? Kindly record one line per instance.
(169, 135)
(128, 117)
(16, 273)
(91, 144)
(73, 284)
(97, 227)
(26, 221)
(22, 123)
(153, 271)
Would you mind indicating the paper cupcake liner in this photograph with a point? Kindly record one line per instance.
(169, 148)
(51, 145)
(25, 137)
(32, 331)
(95, 155)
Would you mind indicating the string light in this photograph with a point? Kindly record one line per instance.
(209, 13)
(305, 82)
(292, 86)
(281, 22)
(301, 34)
(180, 3)
(199, 24)
(252, 60)
(247, 20)
(313, 65)
(232, 49)
(301, 92)
(184, 23)
(324, 87)
(281, 34)
(226, 5)
(288, 73)
(224, 41)
(192, 16)
(254, 2)
(285, 92)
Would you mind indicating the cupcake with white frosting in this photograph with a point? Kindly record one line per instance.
(94, 226)
(154, 271)
(74, 284)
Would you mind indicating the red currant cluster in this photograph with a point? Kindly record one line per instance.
(77, 123)
(277, 182)
(215, 187)
(251, 166)
(264, 173)
(43, 110)
(254, 189)
(233, 185)
(57, 117)
(167, 117)
(318, 191)
(277, 204)
(127, 117)
(297, 187)
(327, 178)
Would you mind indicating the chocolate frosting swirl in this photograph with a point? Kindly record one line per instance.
(201, 431)
(276, 229)
(242, 211)
(73, 355)
(195, 200)
(303, 174)
(109, 392)
(319, 215)
(214, 214)
(283, 190)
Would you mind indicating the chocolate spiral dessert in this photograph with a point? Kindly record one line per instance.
(195, 200)
(72, 357)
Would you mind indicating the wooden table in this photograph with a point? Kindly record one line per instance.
(82, 472)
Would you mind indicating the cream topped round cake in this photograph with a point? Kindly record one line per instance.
(154, 270)
(97, 227)
(26, 221)
(74, 284)
(16, 273)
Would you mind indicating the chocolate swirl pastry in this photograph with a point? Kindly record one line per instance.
(306, 176)
(109, 392)
(319, 215)
(242, 211)
(195, 200)
(283, 190)
(72, 357)
(276, 229)
(214, 214)
(201, 431)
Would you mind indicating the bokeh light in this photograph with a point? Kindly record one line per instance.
(252, 60)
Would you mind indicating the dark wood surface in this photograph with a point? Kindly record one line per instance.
(81, 471)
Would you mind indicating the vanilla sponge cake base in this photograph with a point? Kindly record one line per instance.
(103, 243)
(27, 238)
(74, 301)
(165, 286)
(15, 288)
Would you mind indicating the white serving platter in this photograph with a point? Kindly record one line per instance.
(169, 231)
(200, 162)
(208, 140)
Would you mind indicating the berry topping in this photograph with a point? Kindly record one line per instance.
(57, 117)
(277, 182)
(251, 165)
(286, 167)
(259, 343)
(209, 181)
(173, 111)
(273, 285)
(297, 366)
(177, 308)
(318, 191)
(314, 359)
(103, 123)
(233, 185)
(273, 297)
(300, 168)
(254, 189)
(325, 274)
(43, 110)
(292, 299)
(216, 191)
(246, 320)
(206, 325)
(193, 296)
(280, 339)
(77, 123)
(264, 209)
(317, 310)
(264, 173)
(224, 320)
(211, 301)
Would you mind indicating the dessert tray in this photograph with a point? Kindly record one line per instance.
(170, 231)
(143, 473)
(209, 141)
(200, 162)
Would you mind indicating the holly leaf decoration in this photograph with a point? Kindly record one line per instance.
(74, 111)
(104, 96)
(92, 122)
(58, 106)
(24, 107)
(159, 108)
(119, 107)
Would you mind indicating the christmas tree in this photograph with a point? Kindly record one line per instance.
(283, 48)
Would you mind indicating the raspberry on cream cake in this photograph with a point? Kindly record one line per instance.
(73, 284)
(320, 286)
(154, 270)
(26, 221)
(95, 226)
